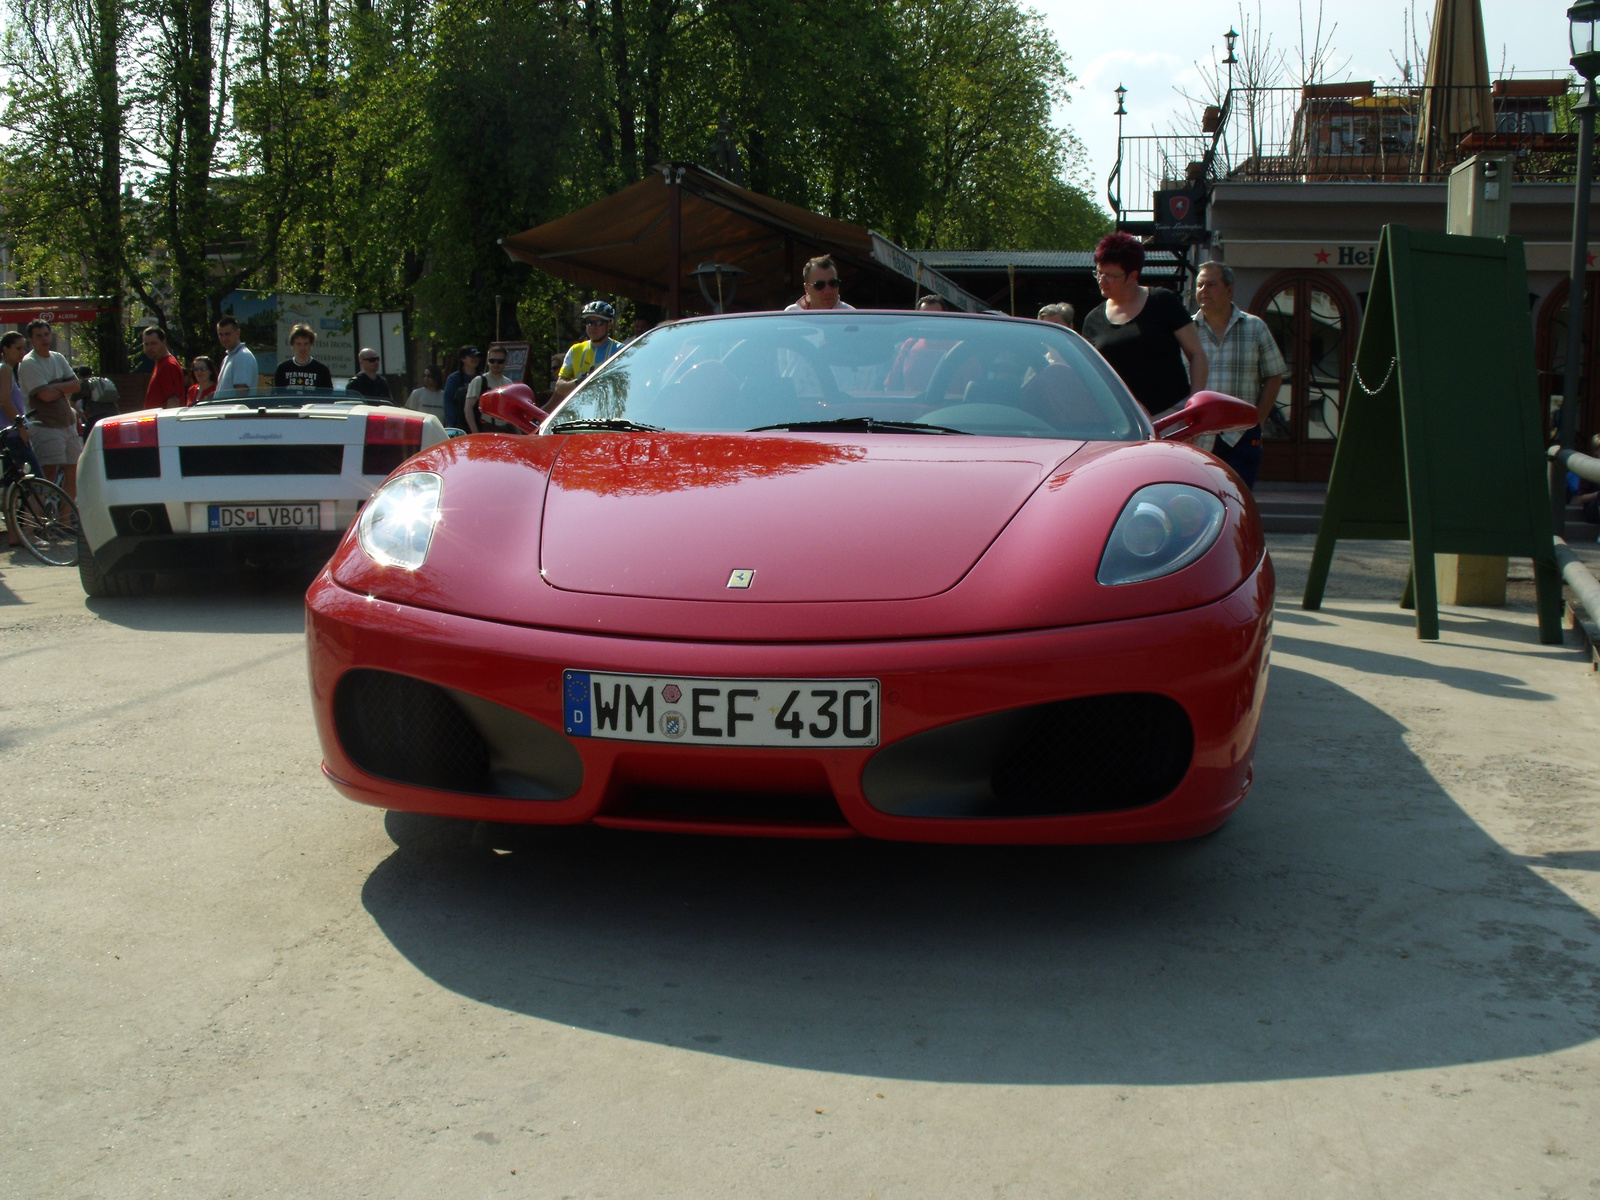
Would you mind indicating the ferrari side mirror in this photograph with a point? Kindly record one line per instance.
(1206, 412)
(514, 405)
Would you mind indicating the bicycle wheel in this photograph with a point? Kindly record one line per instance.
(46, 520)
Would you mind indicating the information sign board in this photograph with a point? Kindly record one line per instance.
(1440, 439)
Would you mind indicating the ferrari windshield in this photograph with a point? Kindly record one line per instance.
(276, 397)
(937, 373)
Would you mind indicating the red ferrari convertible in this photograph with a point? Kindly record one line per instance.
(926, 576)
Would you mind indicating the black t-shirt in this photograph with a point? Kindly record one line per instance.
(375, 386)
(1145, 351)
(313, 375)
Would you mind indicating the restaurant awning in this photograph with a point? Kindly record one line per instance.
(646, 241)
(58, 310)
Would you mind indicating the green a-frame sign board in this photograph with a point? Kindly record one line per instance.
(1440, 440)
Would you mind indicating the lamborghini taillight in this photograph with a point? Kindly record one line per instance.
(131, 446)
(391, 439)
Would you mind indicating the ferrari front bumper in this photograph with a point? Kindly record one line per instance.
(1211, 661)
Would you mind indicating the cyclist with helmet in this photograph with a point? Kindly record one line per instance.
(590, 353)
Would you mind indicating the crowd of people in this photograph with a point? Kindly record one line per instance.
(1161, 350)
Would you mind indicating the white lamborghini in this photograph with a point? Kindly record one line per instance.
(275, 477)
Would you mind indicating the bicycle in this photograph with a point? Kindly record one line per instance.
(36, 510)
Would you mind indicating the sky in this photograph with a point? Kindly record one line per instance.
(1151, 46)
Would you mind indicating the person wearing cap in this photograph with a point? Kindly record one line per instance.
(455, 387)
(494, 377)
(583, 357)
(369, 383)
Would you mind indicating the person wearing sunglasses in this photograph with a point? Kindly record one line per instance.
(369, 383)
(494, 377)
(822, 287)
(596, 348)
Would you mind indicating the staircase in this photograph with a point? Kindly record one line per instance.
(1297, 508)
(1290, 507)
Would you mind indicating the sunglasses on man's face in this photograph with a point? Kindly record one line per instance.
(598, 321)
(497, 362)
(369, 360)
(822, 284)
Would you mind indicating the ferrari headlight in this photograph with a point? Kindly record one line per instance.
(396, 526)
(1162, 529)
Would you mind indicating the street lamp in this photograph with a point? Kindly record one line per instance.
(1114, 190)
(1583, 20)
(711, 269)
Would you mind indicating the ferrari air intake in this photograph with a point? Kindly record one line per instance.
(1094, 754)
(418, 733)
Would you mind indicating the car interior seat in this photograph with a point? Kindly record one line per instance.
(1057, 396)
(991, 391)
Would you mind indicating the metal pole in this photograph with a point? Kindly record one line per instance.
(674, 240)
(1575, 303)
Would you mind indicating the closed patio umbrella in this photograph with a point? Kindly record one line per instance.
(1457, 98)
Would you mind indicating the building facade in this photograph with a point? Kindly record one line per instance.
(1291, 188)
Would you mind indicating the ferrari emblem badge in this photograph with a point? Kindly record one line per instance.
(741, 579)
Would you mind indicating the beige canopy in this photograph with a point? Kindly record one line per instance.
(1457, 97)
(646, 241)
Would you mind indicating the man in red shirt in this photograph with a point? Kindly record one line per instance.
(167, 385)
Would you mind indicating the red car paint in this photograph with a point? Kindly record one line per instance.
(998, 611)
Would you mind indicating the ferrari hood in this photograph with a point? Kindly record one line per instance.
(685, 517)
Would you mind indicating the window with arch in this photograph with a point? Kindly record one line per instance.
(1315, 321)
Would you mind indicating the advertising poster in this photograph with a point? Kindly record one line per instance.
(330, 317)
(265, 321)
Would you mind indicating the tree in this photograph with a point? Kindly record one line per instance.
(506, 150)
(988, 74)
(379, 149)
(65, 110)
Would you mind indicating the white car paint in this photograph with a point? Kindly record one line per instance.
(186, 498)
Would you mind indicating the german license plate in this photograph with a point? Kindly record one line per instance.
(234, 518)
(721, 712)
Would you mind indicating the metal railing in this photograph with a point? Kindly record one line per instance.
(1355, 132)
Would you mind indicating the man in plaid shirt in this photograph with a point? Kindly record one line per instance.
(1245, 363)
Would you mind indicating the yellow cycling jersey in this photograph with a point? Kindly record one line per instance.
(583, 357)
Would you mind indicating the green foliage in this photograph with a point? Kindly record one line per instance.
(379, 149)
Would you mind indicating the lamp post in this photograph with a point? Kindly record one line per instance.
(711, 269)
(1583, 20)
(1115, 195)
(1226, 115)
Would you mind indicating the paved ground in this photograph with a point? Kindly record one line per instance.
(1382, 979)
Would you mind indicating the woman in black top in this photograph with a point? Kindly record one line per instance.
(1144, 333)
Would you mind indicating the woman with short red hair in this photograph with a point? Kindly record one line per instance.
(1144, 333)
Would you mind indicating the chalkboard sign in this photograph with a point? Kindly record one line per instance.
(1440, 439)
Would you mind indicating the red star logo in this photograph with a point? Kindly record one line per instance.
(1322, 256)
(1591, 258)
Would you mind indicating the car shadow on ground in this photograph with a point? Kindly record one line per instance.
(254, 601)
(1351, 919)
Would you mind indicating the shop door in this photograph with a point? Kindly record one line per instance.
(1314, 321)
